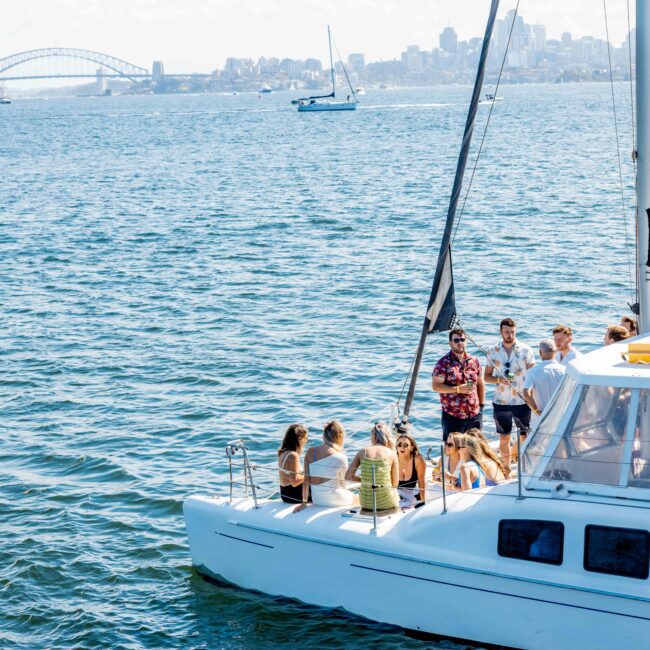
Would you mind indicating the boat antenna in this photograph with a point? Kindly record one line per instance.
(441, 309)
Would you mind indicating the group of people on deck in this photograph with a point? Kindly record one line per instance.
(397, 469)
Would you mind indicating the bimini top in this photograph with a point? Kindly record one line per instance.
(594, 436)
(607, 367)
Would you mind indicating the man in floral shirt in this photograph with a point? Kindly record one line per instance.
(458, 378)
(508, 363)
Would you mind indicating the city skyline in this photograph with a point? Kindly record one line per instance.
(201, 38)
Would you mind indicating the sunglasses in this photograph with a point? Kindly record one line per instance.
(404, 445)
(458, 340)
(449, 444)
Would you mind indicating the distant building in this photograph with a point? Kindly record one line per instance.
(357, 63)
(157, 71)
(449, 40)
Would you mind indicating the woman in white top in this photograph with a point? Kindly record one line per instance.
(325, 467)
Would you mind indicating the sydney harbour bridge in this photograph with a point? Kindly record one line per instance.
(64, 62)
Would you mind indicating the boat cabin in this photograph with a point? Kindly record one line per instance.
(594, 438)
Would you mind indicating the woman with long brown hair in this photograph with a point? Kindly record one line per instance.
(291, 474)
(412, 469)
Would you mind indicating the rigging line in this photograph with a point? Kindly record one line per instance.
(618, 149)
(634, 153)
(344, 69)
(629, 55)
(487, 124)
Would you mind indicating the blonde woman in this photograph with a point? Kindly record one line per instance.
(325, 467)
(381, 457)
(291, 474)
(469, 469)
(487, 459)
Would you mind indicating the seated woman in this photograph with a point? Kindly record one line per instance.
(412, 470)
(379, 455)
(489, 461)
(291, 476)
(452, 463)
(325, 467)
(469, 469)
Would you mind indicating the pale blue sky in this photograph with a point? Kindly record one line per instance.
(198, 35)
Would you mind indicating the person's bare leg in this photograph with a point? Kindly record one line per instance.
(504, 449)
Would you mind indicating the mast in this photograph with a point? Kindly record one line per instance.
(441, 310)
(329, 40)
(643, 160)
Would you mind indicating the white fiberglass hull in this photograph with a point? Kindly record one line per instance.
(327, 106)
(422, 571)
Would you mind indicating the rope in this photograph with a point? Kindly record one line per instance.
(634, 151)
(618, 148)
(487, 124)
(344, 70)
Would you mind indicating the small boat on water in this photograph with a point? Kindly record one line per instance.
(557, 558)
(4, 98)
(329, 102)
(265, 89)
(490, 99)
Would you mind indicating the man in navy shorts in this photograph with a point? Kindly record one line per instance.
(506, 368)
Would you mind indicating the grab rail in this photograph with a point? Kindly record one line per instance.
(231, 449)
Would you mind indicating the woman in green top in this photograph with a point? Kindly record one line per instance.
(381, 456)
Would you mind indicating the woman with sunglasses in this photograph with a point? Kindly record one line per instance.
(412, 470)
(378, 461)
(452, 462)
(471, 473)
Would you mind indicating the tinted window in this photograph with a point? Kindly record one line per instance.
(531, 539)
(619, 551)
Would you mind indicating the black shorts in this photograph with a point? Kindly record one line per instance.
(452, 424)
(505, 414)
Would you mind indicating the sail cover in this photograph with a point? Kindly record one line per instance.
(442, 312)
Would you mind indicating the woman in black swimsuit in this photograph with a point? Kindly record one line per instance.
(412, 469)
(291, 474)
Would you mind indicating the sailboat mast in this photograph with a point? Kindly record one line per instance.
(329, 40)
(643, 160)
(441, 308)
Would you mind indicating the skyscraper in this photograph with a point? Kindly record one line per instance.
(449, 40)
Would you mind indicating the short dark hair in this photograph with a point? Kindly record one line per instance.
(507, 322)
(456, 331)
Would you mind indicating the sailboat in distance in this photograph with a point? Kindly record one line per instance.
(329, 102)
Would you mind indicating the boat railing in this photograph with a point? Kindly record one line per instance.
(233, 449)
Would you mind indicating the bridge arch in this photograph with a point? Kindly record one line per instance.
(119, 67)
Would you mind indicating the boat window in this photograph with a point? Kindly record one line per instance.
(531, 539)
(537, 447)
(591, 448)
(617, 551)
(640, 466)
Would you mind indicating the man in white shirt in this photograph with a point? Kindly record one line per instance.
(542, 380)
(563, 337)
(508, 363)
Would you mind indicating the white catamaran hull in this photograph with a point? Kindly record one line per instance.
(327, 106)
(423, 570)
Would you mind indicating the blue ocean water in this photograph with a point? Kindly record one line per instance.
(179, 271)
